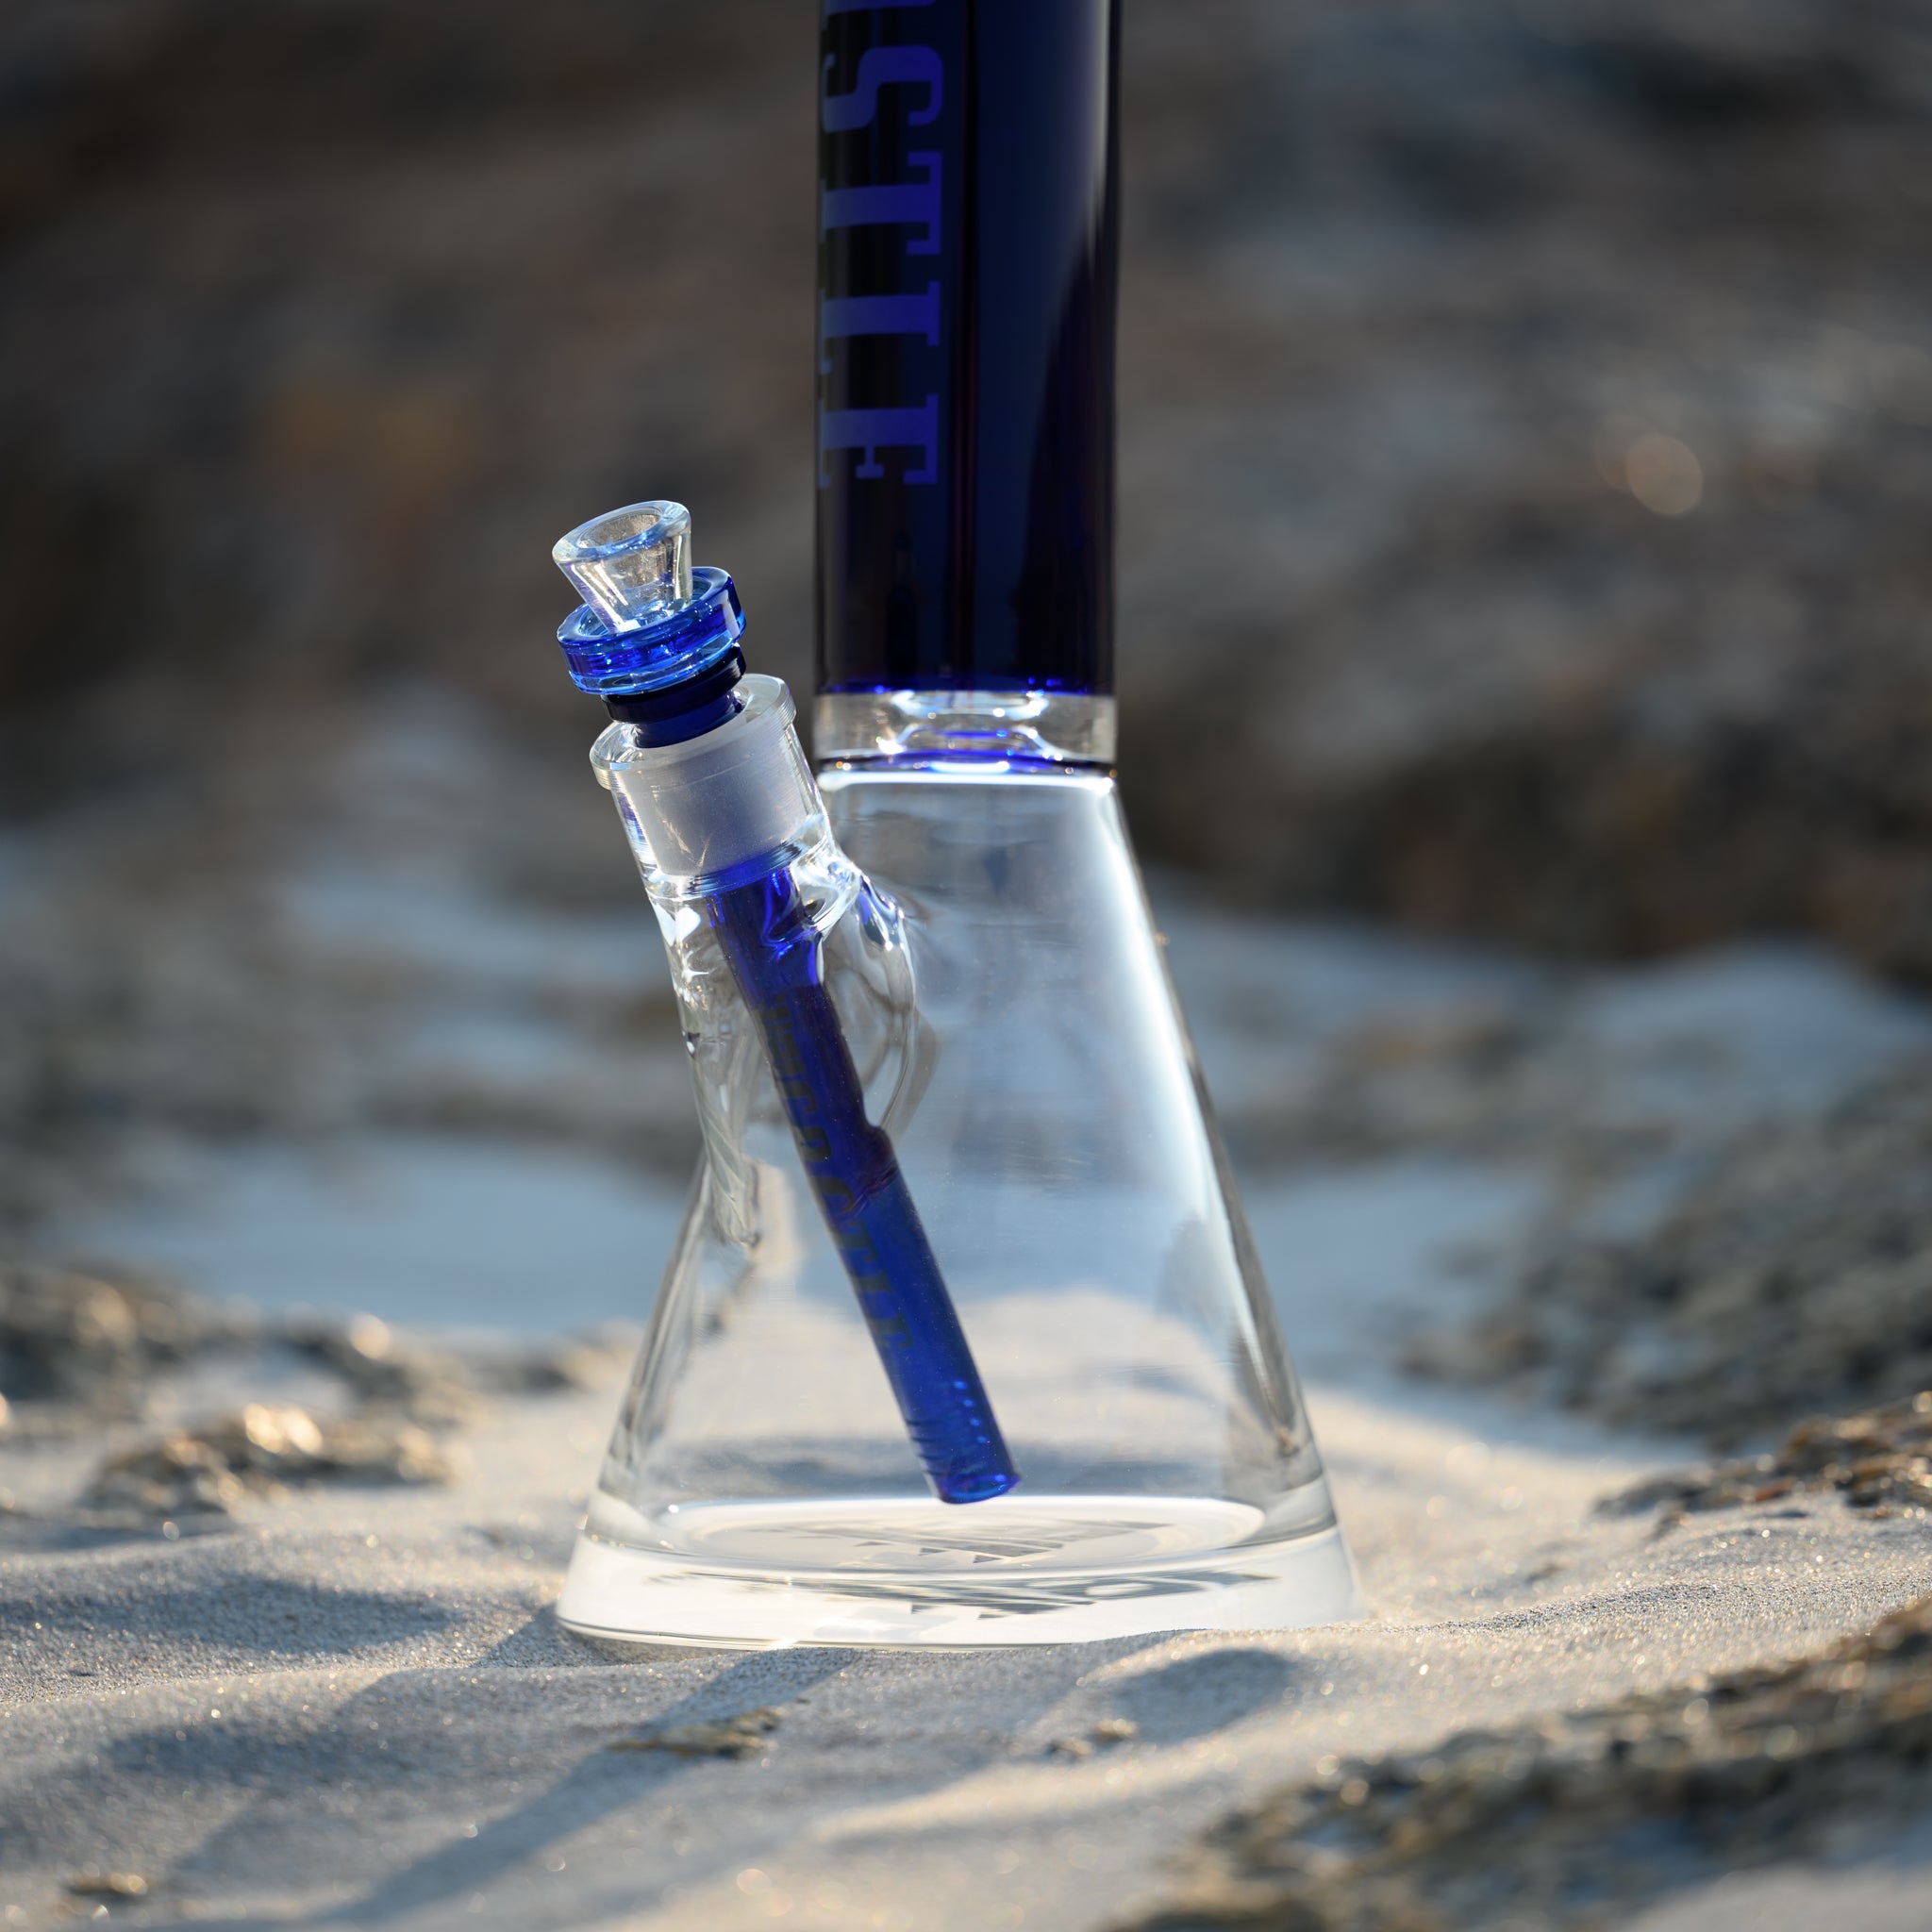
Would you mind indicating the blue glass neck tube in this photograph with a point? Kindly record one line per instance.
(968, 240)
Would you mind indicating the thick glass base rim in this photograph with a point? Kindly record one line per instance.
(618, 1595)
(1196, 1528)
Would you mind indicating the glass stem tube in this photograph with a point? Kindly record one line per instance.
(714, 790)
(775, 956)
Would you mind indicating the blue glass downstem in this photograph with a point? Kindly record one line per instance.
(776, 956)
(658, 642)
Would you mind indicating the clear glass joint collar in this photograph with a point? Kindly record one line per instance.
(1050, 726)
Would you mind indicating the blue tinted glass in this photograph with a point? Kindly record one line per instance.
(968, 164)
(691, 639)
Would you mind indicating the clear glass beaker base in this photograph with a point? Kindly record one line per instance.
(1019, 1570)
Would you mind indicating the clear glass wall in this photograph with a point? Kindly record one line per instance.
(1003, 987)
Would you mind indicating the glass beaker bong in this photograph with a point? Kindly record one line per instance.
(963, 1340)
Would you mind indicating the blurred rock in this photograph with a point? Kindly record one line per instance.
(1579, 1819)
(445, 1387)
(69, 1338)
(1109, 1731)
(259, 1451)
(76, 1350)
(323, 321)
(744, 1735)
(1544, 387)
(428, 1385)
(107, 1884)
(1459, 664)
(1548, 389)
(1793, 1275)
(1881, 1462)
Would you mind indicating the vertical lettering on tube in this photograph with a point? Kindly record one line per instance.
(968, 162)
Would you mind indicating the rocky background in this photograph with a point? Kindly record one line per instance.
(1547, 388)
(1544, 390)
(1553, 380)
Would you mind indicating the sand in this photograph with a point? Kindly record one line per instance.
(355, 1705)
(358, 1705)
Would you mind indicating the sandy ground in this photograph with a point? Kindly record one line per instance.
(355, 1706)
(358, 1705)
